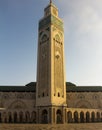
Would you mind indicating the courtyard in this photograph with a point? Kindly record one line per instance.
(81, 126)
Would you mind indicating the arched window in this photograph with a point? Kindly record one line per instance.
(58, 94)
(43, 94)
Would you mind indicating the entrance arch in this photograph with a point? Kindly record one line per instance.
(87, 117)
(58, 117)
(81, 117)
(98, 117)
(76, 117)
(44, 117)
(93, 116)
(69, 116)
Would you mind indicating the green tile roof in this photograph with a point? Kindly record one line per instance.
(84, 89)
(31, 87)
(73, 88)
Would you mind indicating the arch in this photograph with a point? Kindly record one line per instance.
(98, 117)
(21, 117)
(93, 116)
(81, 96)
(18, 104)
(10, 117)
(57, 38)
(5, 96)
(58, 117)
(69, 117)
(33, 117)
(87, 117)
(44, 116)
(0, 118)
(27, 117)
(81, 117)
(95, 96)
(43, 94)
(83, 104)
(76, 117)
(58, 94)
(44, 38)
(15, 117)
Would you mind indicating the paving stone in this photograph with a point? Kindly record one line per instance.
(90, 126)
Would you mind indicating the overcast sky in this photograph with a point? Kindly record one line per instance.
(19, 35)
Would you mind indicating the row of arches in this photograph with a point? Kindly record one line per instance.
(84, 117)
(18, 117)
(45, 117)
(27, 117)
(31, 117)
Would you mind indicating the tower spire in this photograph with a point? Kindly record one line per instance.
(50, 1)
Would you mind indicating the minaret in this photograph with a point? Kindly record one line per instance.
(51, 86)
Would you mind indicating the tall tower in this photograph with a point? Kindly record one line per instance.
(51, 86)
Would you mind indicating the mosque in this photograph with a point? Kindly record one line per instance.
(50, 100)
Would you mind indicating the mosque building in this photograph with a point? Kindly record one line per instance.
(50, 99)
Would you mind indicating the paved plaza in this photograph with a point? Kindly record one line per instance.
(90, 126)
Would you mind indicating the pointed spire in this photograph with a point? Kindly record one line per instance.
(50, 1)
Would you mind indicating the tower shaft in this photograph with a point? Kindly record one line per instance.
(51, 87)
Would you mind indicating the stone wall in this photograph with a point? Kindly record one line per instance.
(91, 100)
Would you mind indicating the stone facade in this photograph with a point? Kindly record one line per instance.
(50, 100)
(85, 100)
(20, 107)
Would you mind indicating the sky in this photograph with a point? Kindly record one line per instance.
(19, 39)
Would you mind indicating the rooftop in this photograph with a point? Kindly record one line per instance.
(31, 87)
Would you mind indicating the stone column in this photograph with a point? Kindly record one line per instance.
(37, 115)
(64, 115)
(84, 117)
(78, 117)
(65, 111)
(72, 117)
(50, 117)
(53, 115)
